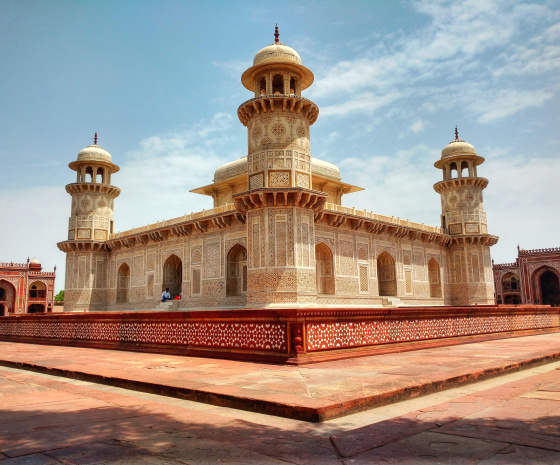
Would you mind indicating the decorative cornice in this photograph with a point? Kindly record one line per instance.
(279, 197)
(78, 187)
(443, 186)
(265, 104)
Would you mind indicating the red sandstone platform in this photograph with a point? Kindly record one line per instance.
(313, 393)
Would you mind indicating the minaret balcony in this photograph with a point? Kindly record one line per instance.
(77, 187)
(447, 184)
(277, 102)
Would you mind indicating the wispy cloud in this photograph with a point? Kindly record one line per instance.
(157, 177)
(484, 45)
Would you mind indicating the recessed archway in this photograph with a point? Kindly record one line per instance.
(434, 278)
(324, 269)
(550, 288)
(236, 278)
(510, 282)
(386, 275)
(123, 283)
(7, 296)
(173, 275)
(37, 290)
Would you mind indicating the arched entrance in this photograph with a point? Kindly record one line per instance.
(386, 275)
(173, 275)
(123, 283)
(236, 280)
(324, 269)
(434, 278)
(550, 288)
(1, 309)
(7, 297)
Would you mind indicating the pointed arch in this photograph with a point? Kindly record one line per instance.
(386, 275)
(434, 278)
(324, 265)
(123, 283)
(510, 282)
(236, 271)
(549, 284)
(277, 84)
(7, 296)
(173, 275)
(37, 290)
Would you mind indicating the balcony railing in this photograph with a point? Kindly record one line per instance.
(37, 294)
(387, 219)
(181, 219)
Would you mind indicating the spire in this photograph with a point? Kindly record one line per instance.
(95, 139)
(276, 35)
(456, 133)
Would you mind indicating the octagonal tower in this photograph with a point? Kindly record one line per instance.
(280, 203)
(464, 219)
(89, 226)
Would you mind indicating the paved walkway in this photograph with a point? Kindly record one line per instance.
(509, 419)
(311, 392)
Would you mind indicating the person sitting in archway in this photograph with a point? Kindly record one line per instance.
(165, 295)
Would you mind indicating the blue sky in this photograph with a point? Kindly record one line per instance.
(160, 83)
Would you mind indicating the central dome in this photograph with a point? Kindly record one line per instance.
(276, 53)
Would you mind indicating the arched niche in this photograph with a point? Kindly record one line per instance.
(173, 275)
(434, 278)
(37, 290)
(262, 86)
(386, 275)
(7, 296)
(277, 84)
(510, 282)
(549, 284)
(324, 265)
(123, 283)
(236, 273)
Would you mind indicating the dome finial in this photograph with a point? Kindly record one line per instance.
(276, 35)
(456, 133)
(95, 139)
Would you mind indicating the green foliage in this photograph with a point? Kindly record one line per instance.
(59, 297)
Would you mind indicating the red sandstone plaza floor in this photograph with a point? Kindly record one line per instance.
(508, 419)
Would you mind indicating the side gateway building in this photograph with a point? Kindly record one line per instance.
(25, 288)
(277, 235)
(534, 278)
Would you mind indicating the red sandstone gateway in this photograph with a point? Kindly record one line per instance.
(25, 288)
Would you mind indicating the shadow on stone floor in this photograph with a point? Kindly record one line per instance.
(159, 433)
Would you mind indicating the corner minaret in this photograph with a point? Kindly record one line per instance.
(92, 195)
(464, 219)
(89, 226)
